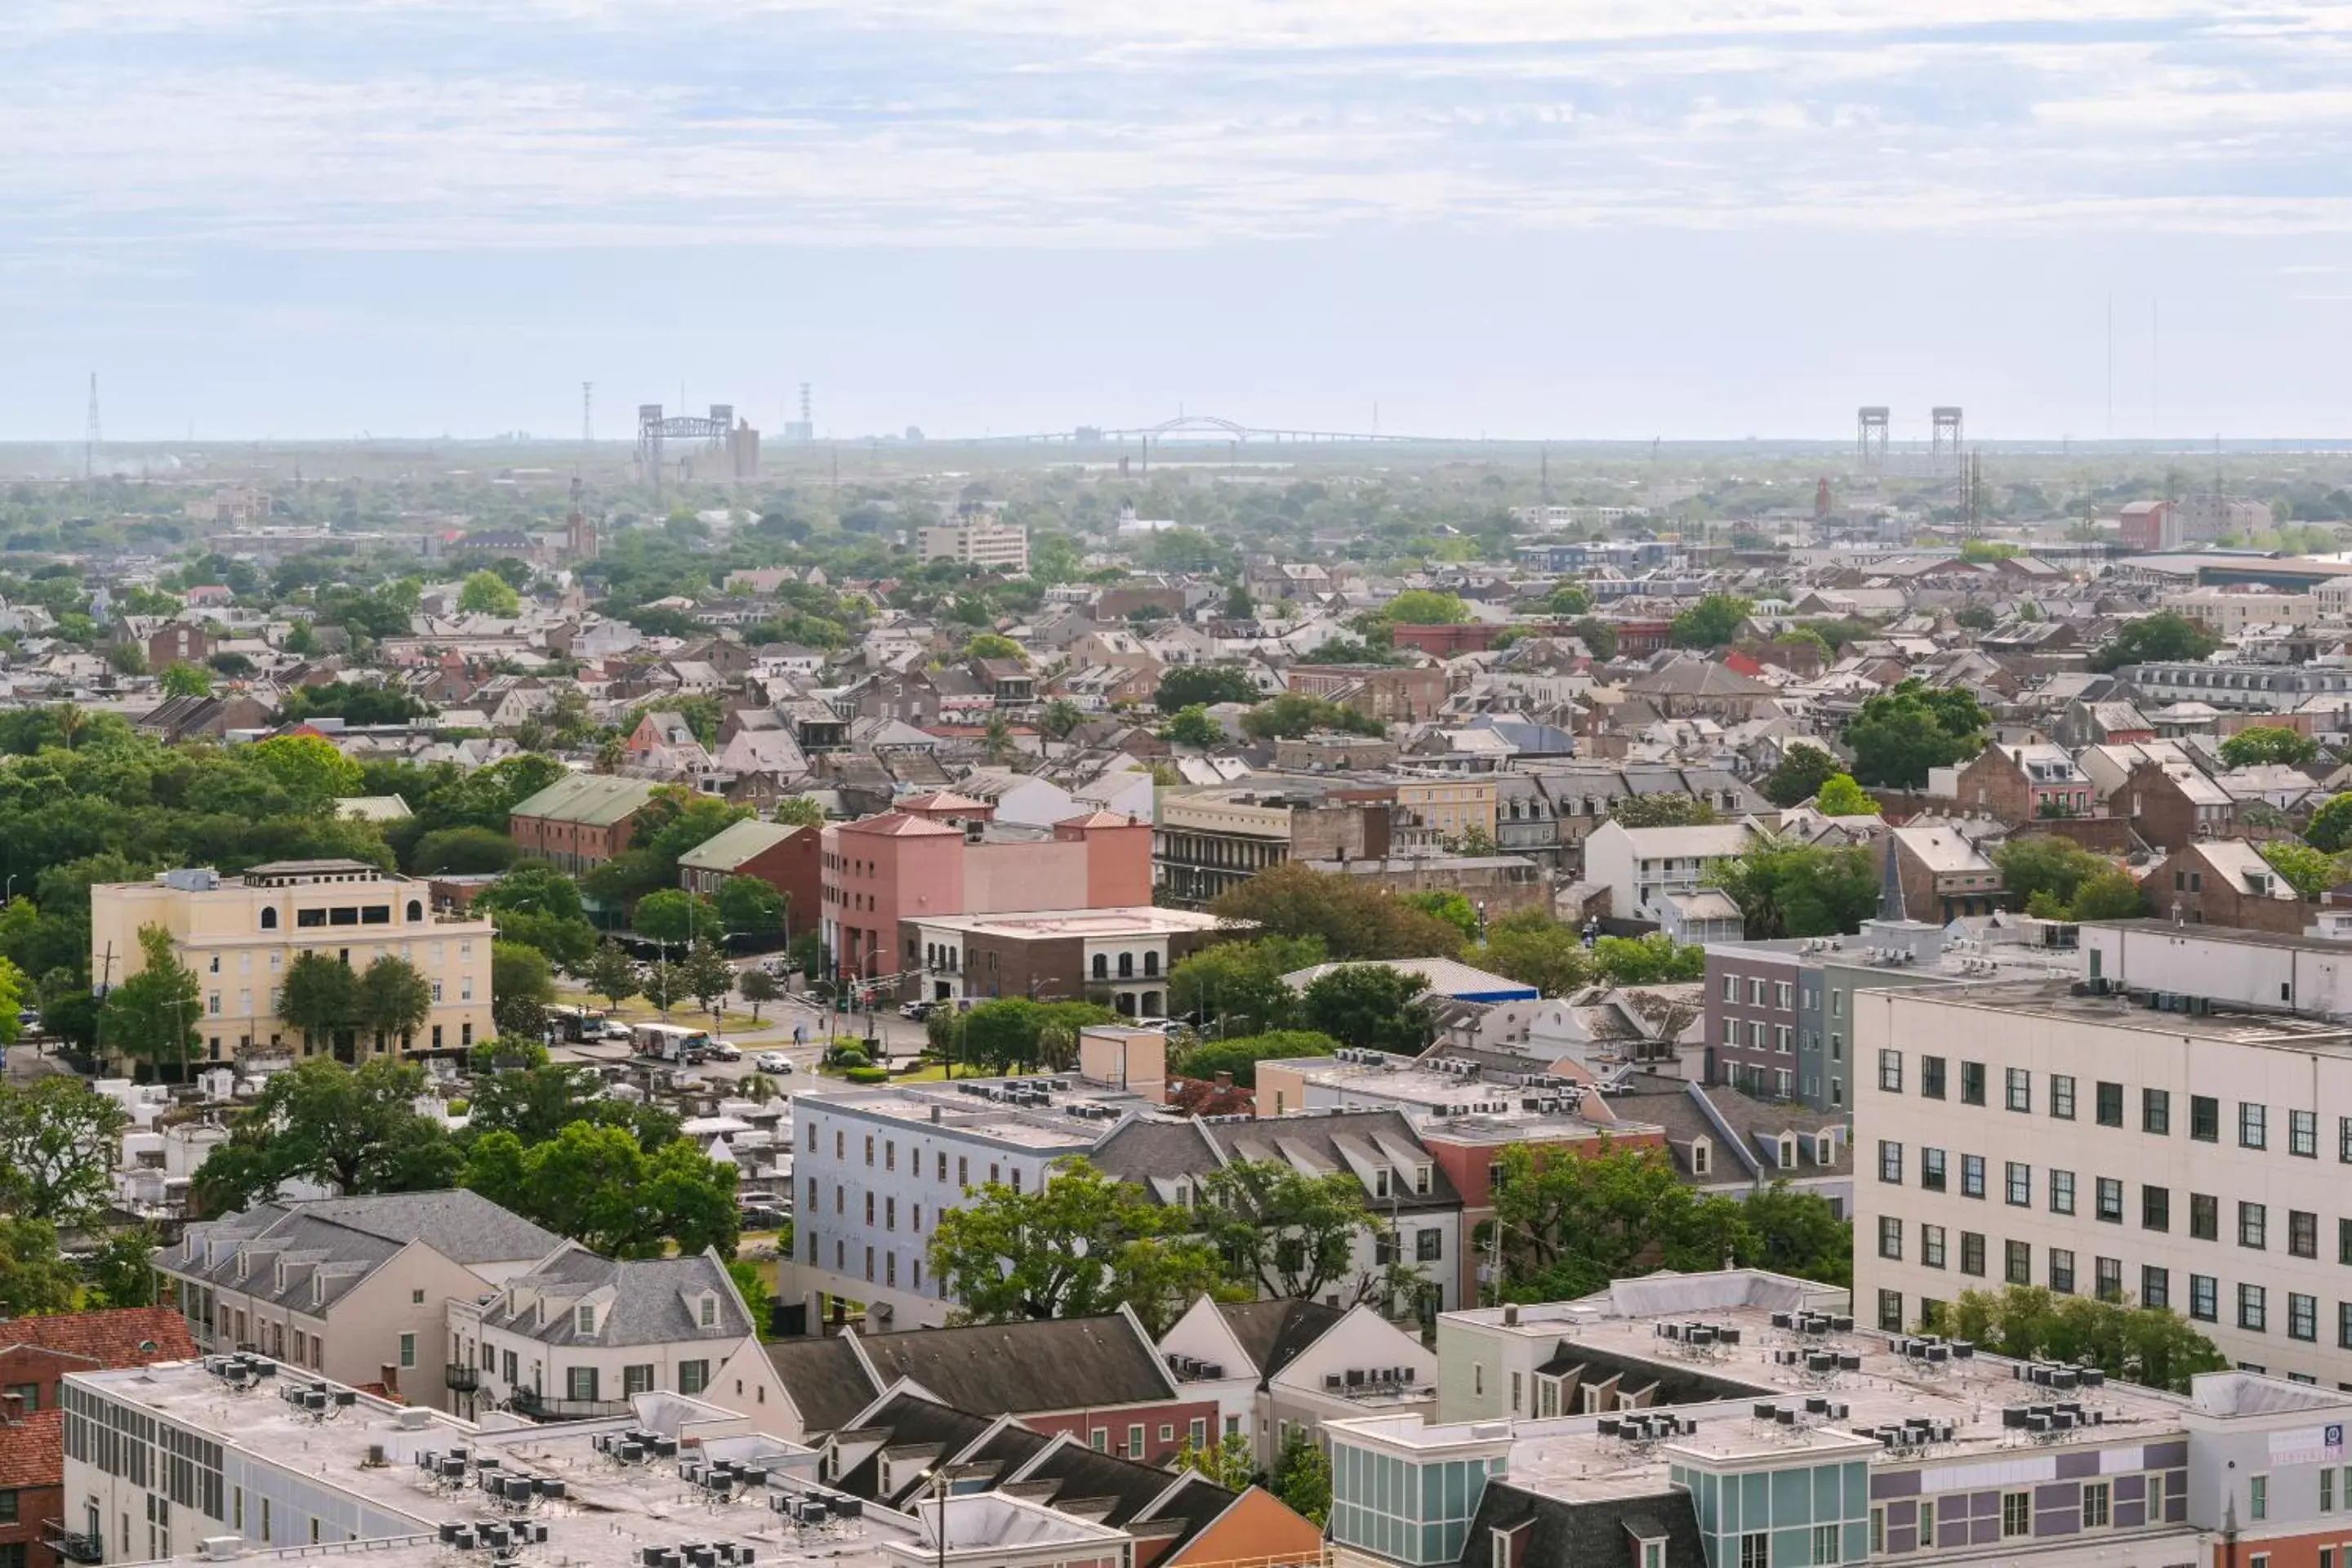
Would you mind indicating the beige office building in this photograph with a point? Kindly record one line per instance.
(2182, 1149)
(999, 547)
(238, 934)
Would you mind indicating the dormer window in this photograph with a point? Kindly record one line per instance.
(1787, 1151)
(1380, 1183)
(709, 1317)
(1421, 1180)
(1654, 1553)
(1701, 1155)
(1824, 1148)
(583, 1319)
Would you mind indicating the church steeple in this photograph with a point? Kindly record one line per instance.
(1890, 886)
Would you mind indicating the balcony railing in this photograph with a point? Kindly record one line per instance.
(540, 1406)
(463, 1379)
(71, 1545)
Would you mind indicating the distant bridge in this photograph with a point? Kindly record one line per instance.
(1190, 428)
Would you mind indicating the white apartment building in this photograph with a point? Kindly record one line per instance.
(1643, 866)
(238, 934)
(580, 1336)
(977, 541)
(351, 1288)
(2178, 1148)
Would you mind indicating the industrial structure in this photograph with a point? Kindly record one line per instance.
(717, 432)
(1870, 424)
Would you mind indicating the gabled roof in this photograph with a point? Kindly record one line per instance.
(111, 1337)
(1275, 1333)
(1071, 1364)
(638, 1301)
(824, 1379)
(596, 799)
(33, 1453)
(734, 844)
(898, 824)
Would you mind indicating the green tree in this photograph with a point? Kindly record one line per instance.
(1799, 1233)
(58, 1139)
(757, 987)
(612, 974)
(536, 1101)
(1534, 949)
(599, 1187)
(705, 975)
(799, 811)
(1452, 908)
(122, 1269)
(321, 997)
(1655, 959)
(1841, 796)
(1975, 617)
(522, 987)
(1008, 1033)
(988, 644)
(1239, 605)
(565, 943)
(180, 679)
(2167, 636)
(1241, 1054)
(1714, 622)
(1565, 1224)
(1596, 634)
(357, 1128)
(2046, 868)
(1569, 599)
(1240, 983)
(394, 999)
(1185, 685)
(2305, 869)
(673, 917)
(996, 741)
(1351, 920)
(535, 888)
(1425, 607)
(2107, 895)
(1061, 717)
(1369, 1005)
(2147, 1345)
(749, 906)
(1192, 727)
(1294, 714)
(1302, 1480)
(34, 1281)
(1785, 888)
(1227, 1461)
(152, 1015)
(463, 851)
(1803, 770)
(308, 766)
(1900, 735)
(1292, 1236)
(751, 1278)
(1662, 811)
(487, 593)
(2266, 743)
(1981, 552)
(1076, 1246)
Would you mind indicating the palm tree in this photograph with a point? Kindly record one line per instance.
(758, 1086)
(70, 721)
(997, 739)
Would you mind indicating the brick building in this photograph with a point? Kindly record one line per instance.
(36, 1353)
(579, 822)
(1942, 872)
(789, 859)
(2172, 807)
(2019, 784)
(1754, 991)
(1119, 958)
(2223, 882)
(1394, 694)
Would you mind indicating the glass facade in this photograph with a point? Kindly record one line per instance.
(1790, 1509)
(1413, 1512)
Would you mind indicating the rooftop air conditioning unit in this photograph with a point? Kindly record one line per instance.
(222, 1548)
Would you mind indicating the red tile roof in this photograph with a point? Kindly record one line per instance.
(33, 1452)
(112, 1337)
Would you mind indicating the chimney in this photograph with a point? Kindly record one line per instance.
(389, 1375)
(1224, 1080)
(1510, 1314)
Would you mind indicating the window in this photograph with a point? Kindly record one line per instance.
(1825, 1542)
(583, 1319)
(408, 1350)
(693, 1376)
(2020, 1090)
(2254, 1225)
(1755, 1550)
(1931, 1246)
(2302, 1233)
(1927, 1523)
(2302, 1317)
(2061, 1095)
(2061, 1192)
(2156, 1208)
(1890, 1312)
(2016, 1513)
(637, 1379)
(2253, 1308)
(1972, 1083)
(2344, 1148)
(580, 1382)
(1890, 1077)
(2204, 1298)
(2110, 1196)
(1931, 1169)
(1890, 1161)
(2061, 1270)
(1931, 1077)
(2016, 1263)
(2303, 1134)
(2107, 1278)
(1654, 1555)
(710, 1312)
(2096, 1513)
(2204, 1217)
(2253, 1125)
(2155, 1112)
(1730, 985)
(1429, 1247)
(1516, 1390)
(2204, 1119)
(2154, 1286)
(1755, 992)
(2111, 1104)
(2258, 1497)
(1972, 1253)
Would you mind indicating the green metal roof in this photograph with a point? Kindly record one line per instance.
(734, 844)
(596, 799)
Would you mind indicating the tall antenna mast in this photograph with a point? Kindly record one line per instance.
(91, 438)
(587, 423)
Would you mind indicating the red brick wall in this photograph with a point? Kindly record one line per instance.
(1177, 1414)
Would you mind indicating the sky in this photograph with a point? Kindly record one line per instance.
(1578, 218)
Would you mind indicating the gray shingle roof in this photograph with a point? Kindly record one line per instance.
(1071, 1363)
(651, 1301)
(826, 1381)
(461, 1225)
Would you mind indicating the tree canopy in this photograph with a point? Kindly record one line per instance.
(2166, 636)
(1785, 888)
(1239, 983)
(1185, 685)
(1369, 1005)
(1662, 811)
(2148, 1345)
(1898, 735)
(1351, 919)
(487, 593)
(1294, 713)
(2268, 743)
(1800, 775)
(1714, 622)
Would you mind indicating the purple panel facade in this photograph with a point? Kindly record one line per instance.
(1906, 1514)
(1903, 1540)
(2175, 1498)
(2166, 1456)
(1985, 1531)
(1985, 1505)
(2128, 1514)
(1898, 1483)
(2130, 1487)
(2079, 1464)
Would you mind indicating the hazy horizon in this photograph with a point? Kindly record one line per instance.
(1595, 219)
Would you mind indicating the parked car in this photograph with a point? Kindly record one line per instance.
(723, 1051)
(917, 1011)
(616, 1030)
(773, 1061)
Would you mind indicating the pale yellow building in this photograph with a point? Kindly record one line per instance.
(238, 934)
(1449, 808)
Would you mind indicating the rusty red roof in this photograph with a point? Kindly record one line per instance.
(109, 1337)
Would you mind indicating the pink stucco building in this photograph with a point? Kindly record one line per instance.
(944, 854)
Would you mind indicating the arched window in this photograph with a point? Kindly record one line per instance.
(269, 919)
(1150, 963)
(1102, 966)
(415, 908)
(1125, 965)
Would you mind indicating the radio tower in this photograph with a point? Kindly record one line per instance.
(90, 435)
(587, 422)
